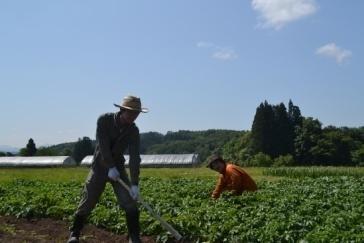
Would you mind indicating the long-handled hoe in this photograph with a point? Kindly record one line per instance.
(165, 225)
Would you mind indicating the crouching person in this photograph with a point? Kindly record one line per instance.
(232, 178)
(115, 133)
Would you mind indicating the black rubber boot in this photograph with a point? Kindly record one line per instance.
(132, 221)
(76, 229)
(74, 237)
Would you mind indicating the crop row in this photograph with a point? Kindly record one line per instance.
(314, 171)
(288, 210)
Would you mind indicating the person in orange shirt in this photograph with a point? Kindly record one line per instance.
(232, 178)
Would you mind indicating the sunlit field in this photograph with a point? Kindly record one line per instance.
(325, 204)
(80, 173)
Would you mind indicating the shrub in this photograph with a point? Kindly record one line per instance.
(284, 160)
(260, 159)
(358, 156)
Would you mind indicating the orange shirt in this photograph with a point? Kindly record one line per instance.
(234, 179)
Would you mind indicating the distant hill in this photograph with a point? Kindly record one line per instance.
(62, 148)
(202, 142)
(6, 148)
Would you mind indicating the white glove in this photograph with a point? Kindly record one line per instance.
(113, 174)
(134, 192)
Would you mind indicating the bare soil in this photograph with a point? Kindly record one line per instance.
(17, 230)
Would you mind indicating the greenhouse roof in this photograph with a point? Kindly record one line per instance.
(157, 159)
(36, 161)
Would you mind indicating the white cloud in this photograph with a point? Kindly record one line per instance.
(277, 13)
(219, 52)
(225, 54)
(205, 44)
(331, 50)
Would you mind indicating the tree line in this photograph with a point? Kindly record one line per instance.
(278, 137)
(201, 142)
(78, 150)
(284, 137)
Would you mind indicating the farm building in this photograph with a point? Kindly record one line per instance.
(158, 160)
(37, 161)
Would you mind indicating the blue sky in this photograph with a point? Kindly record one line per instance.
(196, 65)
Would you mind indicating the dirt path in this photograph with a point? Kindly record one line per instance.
(49, 230)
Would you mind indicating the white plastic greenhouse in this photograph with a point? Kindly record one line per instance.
(37, 161)
(158, 160)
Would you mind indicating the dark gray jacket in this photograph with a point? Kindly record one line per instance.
(112, 140)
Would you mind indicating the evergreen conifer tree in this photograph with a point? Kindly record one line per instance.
(83, 147)
(262, 129)
(282, 143)
(31, 149)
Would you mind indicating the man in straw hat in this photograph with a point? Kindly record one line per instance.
(114, 134)
(232, 178)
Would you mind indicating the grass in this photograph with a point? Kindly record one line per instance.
(314, 171)
(80, 173)
(46, 174)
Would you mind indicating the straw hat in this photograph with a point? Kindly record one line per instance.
(132, 103)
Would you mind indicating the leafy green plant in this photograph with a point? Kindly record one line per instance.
(314, 171)
(288, 210)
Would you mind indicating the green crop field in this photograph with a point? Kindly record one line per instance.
(80, 173)
(314, 171)
(289, 208)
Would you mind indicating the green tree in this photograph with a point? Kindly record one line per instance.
(358, 156)
(46, 151)
(67, 152)
(307, 137)
(149, 139)
(343, 145)
(82, 148)
(295, 119)
(272, 130)
(294, 115)
(333, 147)
(282, 142)
(30, 149)
(203, 143)
(23, 152)
(238, 149)
(262, 129)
